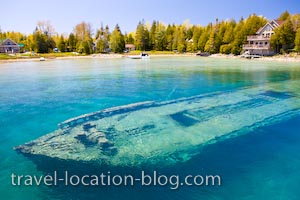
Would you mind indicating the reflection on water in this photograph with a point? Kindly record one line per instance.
(36, 96)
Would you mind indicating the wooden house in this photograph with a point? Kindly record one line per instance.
(259, 44)
(9, 46)
(129, 47)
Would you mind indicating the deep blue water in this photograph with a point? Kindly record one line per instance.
(36, 96)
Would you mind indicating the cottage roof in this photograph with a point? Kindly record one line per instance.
(129, 46)
(279, 22)
(273, 24)
(8, 41)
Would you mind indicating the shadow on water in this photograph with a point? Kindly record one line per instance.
(251, 166)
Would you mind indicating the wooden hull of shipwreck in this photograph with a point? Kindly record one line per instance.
(166, 132)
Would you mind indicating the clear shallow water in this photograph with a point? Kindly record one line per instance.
(36, 96)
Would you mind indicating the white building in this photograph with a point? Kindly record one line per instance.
(259, 44)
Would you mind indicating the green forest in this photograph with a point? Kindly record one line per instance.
(225, 37)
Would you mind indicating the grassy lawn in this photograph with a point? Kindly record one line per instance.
(60, 54)
(150, 52)
(6, 57)
(65, 54)
(37, 55)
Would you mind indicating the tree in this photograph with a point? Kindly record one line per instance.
(296, 21)
(284, 16)
(160, 37)
(169, 37)
(204, 37)
(215, 38)
(46, 28)
(228, 35)
(210, 44)
(42, 43)
(102, 39)
(236, 44)
(297, 40)
(252, 24)
(117, 43)
(42, 38)
(83, 34)
(128, 38)
(179, 39)
(152, 36)
(284, 37)
(62, 44)
(141, 37)
(196, 36)
(228, 38)
(50, 44)
(72, 42)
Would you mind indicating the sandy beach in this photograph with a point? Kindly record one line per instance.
(280, 58)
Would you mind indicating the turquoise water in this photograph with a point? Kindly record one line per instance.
(36, 96)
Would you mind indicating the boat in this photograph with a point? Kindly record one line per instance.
(42, 59)
(167, 132)
(248, 55)
(203, 54)
(141, 56)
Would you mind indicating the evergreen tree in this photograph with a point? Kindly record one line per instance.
(141, 37)
(129, 39)
(296, 21)
(39, 43)
(239, 37)
(284, 16)
(160, 37)
(210, 45)
(179, 41)
(147, 45)
(190, 32)
(275, 43)
(228, 35)
(252, 24)
(196, 36)
(284, 37)
(72, 42)
(102, 39)
(189, 39)
(152, 35)
(42, 43)
(228, 38)
(169, 37)
(62, 44)
(287, 34)
(204, 38)
(50, 44)
(297, 40)
(117, 43)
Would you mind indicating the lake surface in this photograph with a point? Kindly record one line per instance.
(36, 96)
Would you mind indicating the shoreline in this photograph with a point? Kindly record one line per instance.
(277, 58)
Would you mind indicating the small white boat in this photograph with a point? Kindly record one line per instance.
(141, 56)
(248, 55)
(42, 59)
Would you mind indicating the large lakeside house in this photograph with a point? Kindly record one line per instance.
(259, 44)
(9, 46)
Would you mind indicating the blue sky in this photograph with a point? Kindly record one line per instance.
(65, 14)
